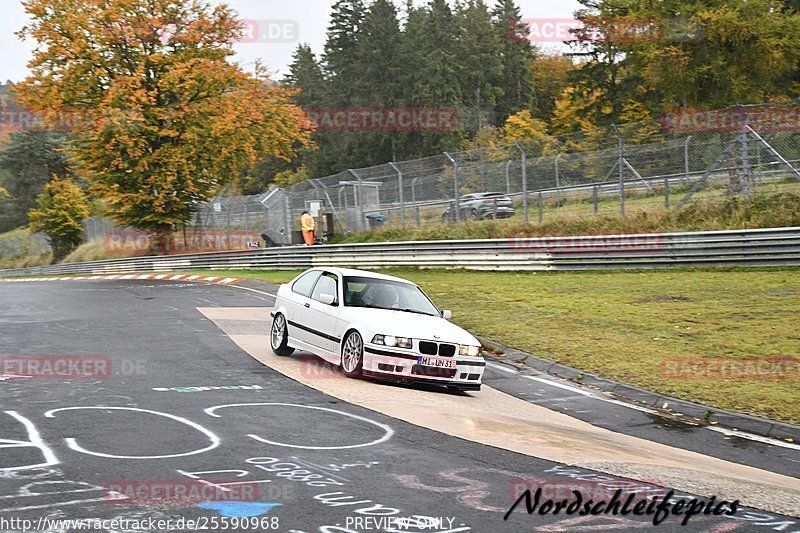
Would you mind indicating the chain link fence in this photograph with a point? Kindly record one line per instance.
(643, 167)
(614, 171)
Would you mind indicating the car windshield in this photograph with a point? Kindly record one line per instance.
(386, 294)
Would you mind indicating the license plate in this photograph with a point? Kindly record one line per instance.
(438, 363)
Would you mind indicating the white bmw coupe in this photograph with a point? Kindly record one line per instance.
(376, 326)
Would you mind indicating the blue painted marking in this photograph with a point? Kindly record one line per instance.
(238, 509)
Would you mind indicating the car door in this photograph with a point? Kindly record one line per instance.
(321, 317)
(298, 298)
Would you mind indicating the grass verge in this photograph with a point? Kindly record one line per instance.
(626, 325)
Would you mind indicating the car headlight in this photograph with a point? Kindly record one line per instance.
(391, 340)
(469, 350)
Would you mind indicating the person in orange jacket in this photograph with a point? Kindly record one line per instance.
(307, 224)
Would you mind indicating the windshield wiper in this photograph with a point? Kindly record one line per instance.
(417, 311)
(404, 309)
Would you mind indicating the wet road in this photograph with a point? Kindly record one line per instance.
(174, 402)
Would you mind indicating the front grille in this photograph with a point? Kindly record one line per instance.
(447, 350)
(428, 348)
(432, 348)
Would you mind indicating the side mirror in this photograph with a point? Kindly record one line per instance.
(447, 314)
(327, 299)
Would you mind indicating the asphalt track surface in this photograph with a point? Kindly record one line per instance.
(300, 461)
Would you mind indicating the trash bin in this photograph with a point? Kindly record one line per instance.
(376, 221)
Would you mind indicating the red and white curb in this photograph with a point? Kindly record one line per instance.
(159, 277)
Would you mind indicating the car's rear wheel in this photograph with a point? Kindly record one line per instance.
(353, 355)
(474, 214)
(279, 336)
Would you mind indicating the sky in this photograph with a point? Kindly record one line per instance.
(276, 29)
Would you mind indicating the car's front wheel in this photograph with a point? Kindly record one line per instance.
(279, 336)
(353, 355)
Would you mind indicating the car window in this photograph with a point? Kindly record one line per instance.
(305, 283)
(386, 294)
(327, 284)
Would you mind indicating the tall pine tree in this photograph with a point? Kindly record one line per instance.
(341, 52)
(480, 64)
(514, 81)
(431, 71)
(378, 86)
(305, 75)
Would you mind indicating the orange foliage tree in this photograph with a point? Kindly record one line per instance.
(161, 118)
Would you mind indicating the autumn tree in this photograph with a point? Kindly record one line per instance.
(60, 209)
(521, 126)
(719, 53)
(166, 118)
(550, 75)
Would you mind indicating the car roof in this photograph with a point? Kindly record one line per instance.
(361, 273)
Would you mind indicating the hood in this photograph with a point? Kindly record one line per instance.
(404, 324)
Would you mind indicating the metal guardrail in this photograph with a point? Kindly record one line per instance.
(759, 247)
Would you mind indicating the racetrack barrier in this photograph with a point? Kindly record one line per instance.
(756, 247)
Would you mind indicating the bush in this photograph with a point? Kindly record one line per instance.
(61, 209)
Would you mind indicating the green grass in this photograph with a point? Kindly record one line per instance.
(624, 325)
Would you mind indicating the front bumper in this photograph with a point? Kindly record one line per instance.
(397, 365)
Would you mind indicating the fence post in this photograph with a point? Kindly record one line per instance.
(621, 169)
(594, 198)
(228, 226)
(686, 160)
(666, 193)
(400, 189)
(541, 208)
(524, 183)
(745, 163)
(362, 223)
(288, 218)
(558, 182)
(508, 176)
(417, 214)
(456, 186)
